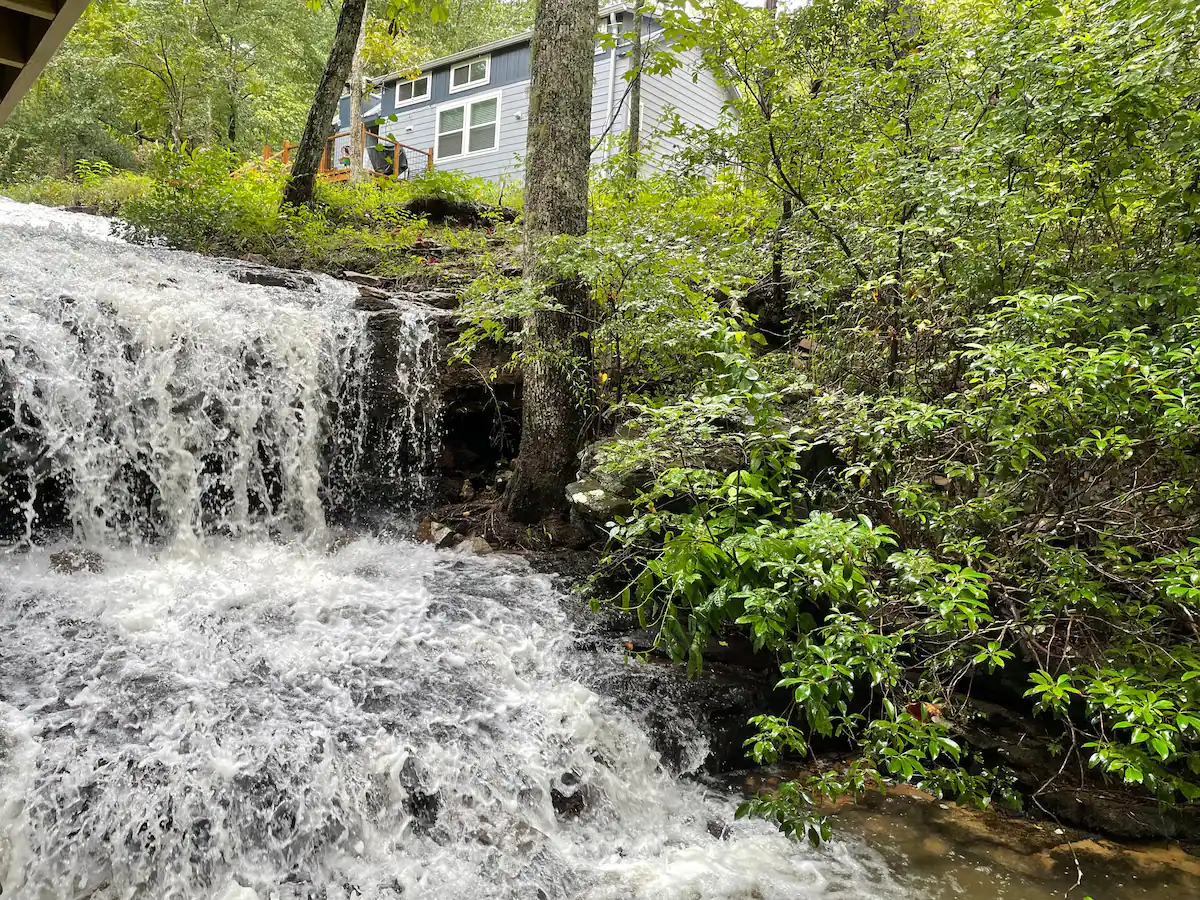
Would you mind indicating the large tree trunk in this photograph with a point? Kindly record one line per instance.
(307, 158)
(634, 145)
(558, 383)
(357, 139)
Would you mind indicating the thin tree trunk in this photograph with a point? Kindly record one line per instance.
(778, 282)
(558, 384)
(635, 96)
(357, 140)
(232, 127)
(307, 158)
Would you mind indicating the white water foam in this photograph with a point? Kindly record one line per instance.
(164, 398)
(380, 721)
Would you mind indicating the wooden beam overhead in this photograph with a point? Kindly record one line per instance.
(30, 32)
(12, 40)
(43, 9)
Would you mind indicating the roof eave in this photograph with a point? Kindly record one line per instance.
(482, 49)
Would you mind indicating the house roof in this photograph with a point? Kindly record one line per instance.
(472, 52)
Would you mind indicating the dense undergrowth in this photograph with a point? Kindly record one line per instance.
(973, 460)
(212, 201)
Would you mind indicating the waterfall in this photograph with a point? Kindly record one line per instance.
(155, 395)
(220, 708)
(387, 423)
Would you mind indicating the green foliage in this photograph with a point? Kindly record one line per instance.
(195, 204)
(97, 187)
(136, 74)
(666, 260)
(205, 200)
(976, 455)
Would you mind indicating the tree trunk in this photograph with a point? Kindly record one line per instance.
(232, 125)
(357, 139)
(307, 158)
(558, 384)
(633, 147)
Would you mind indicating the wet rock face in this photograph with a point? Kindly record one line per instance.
(595, 504)
(401, 428)
(390, 417)
(269, 276)
(1073, 794)
(453, 423)
(697, 725)
(76, 560)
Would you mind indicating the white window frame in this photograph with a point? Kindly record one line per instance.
(471, 85)
(466, 104)
(413, 101)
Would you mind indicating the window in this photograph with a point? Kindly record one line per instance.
(415, 91)
(468, 128)
(475, 73)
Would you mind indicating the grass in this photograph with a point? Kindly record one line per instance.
(211, 202)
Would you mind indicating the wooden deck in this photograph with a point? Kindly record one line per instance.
(30, 32)
(418, 160)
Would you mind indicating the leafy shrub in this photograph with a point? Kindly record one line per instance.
(666, 259)
(197, 204)
(977, 457)
(99, 188)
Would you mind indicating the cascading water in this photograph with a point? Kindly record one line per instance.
(222, 711)
(387, 425)
(156, 396)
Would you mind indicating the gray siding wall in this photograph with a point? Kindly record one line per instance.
(602, 72)
(510, 65)
(416, 126)
(698, 103)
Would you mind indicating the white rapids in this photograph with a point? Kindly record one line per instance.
(380, 721)
(241, 704)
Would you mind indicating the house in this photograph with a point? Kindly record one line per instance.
(469, 111)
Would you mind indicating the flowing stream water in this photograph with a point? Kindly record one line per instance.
(221, 696)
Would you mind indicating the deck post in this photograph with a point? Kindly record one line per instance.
(324, 167)
(396, 160)
(266, 152)
(428, 160)
(286, 153)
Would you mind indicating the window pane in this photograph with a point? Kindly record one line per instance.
(479, 70)
(421, 88)
(483, 138)
(450, 144)
(460, 75)
(451, 119)
(483, 113)
(404, 92)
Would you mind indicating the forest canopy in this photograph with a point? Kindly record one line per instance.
(135, 76)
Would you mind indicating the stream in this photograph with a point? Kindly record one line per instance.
(215, 685)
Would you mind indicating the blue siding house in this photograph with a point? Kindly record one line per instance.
(470, 109)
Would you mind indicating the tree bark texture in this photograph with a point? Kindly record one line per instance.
(357, 140)
(558, 380)
(635, 96)
(307, 158)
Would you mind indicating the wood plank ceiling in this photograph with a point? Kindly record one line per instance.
(30, 32)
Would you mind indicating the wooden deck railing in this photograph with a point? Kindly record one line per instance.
(330, 172)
